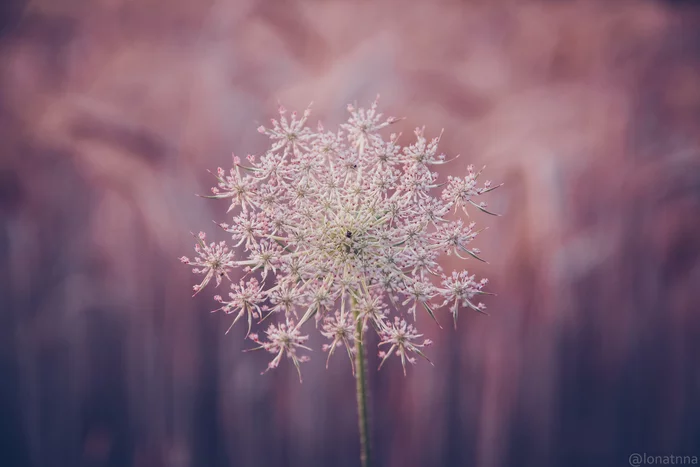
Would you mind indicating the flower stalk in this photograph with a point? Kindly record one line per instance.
(361, 389)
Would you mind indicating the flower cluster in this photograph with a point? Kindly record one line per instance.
(345, 227)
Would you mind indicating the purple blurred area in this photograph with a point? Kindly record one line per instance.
(111, 111)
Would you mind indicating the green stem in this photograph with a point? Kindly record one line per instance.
(361, 388)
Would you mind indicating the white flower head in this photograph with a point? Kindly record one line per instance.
(347, 227)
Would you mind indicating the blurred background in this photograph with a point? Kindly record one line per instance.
(111, 111)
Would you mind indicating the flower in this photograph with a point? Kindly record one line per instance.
(214, 260)
(244, 299)
(459, 289)
(283, 339)
(401, 336)
(455, 237)
(345, 227)
(234, 186)
(371, 309)
(363, 125)
(340, 329)
(459, 192)
(289, 136)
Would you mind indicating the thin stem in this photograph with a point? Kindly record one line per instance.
(361, 388)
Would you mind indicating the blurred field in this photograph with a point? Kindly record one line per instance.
(112, 110)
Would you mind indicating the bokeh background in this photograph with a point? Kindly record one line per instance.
(111, 111)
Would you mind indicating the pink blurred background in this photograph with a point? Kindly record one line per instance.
(112, 110)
